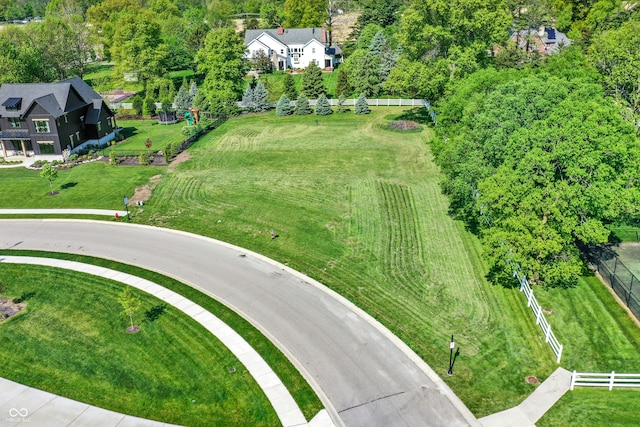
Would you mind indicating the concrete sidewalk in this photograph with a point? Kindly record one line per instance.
(283, 403)
(26, 406)
(105, 212)
(535, 406)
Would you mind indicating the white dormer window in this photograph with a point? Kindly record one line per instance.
(281, 51)
(313, 50)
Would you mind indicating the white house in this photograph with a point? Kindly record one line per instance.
(293, 47)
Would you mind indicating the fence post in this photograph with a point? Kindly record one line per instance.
(538, 319)
(560, 355)
(633, 276)
(529, 297)
(613, 375)
(573, 380)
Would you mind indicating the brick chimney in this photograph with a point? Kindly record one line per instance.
(323, 39)
(280, 31)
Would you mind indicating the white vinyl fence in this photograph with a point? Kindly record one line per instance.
(610, 380)
(532, 302)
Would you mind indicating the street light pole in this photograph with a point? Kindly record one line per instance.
(452, 344)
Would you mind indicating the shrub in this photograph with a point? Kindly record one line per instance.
(167, 153)
(323, 108)
(283, 108)
(113, 160)
(143, 158)
(341, 107)
(125, 114)
(73, 157)
(362, 107)
(302, 106)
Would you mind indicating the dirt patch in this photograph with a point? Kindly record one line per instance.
(532, 379)
(142, 194)
(9, 308)
(180, 158)
(547, 311)
(133, 329)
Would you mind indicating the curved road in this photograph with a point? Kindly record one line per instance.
(364, 374)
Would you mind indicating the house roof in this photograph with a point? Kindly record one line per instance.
(53, 97)
(14, 134)
(289, 36)
(551, 38)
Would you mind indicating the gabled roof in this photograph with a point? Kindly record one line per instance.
(53, 97)
(289, 36)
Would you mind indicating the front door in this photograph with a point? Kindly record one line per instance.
(327, 63)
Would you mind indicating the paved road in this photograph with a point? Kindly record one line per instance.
(364, 375)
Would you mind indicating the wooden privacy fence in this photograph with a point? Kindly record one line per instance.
(532, 302)
(610, 380)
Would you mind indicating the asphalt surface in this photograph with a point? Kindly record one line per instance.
(364, 375)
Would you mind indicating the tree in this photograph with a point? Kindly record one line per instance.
(49, 173)
(130, 306)
(323, 108)
(262, 62)
(137, 46)
(378, 43)
(312, 82)
(271, 14)
(616, 54)
(149, 105)
(363, 69)
(182, 99)
(343, 87)
(362, 106)
(304, 13)
(540, 178)
(248, 101)
(260, 97)
(341, 107)
(137, 104)
(380, 12)
(290, 87)
(302, 106)
(223, 63)
(283, 107)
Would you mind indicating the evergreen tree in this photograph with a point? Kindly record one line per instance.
(362, 107)
(312, 83)
(200, 101)
(260, 97)
(137, 104)
(149, 105)
(193, 91)
(182, 99)
(378, 44)
(323, 108)
(290, 87)
(388, 58)
(302, 106)
(248, 101)
(283, 108)
(343, 87)
(341, 107)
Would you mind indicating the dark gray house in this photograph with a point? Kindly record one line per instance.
(43, 119)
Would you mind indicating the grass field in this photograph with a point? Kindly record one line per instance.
(137, 132)
(173, 370)
(94, 185)
(358, 207)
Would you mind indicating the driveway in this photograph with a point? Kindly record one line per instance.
(364, 375)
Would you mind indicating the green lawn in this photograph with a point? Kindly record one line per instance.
(94, 185)
(276, 82)
(71, 340)
(137, 132)
(359, 208)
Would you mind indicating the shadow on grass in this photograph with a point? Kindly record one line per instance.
(24, 297)
(417, 114)
(128, 131)
(68, 185)
(155, 312)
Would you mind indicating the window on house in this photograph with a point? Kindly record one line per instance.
(14, 122)
(66, 118)
(100, 126)
(281, 51)
(296, 58)
(313, 50)
(78, 136)
(42, 125)
(71, 139)
(46, 147)
(82, 121)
